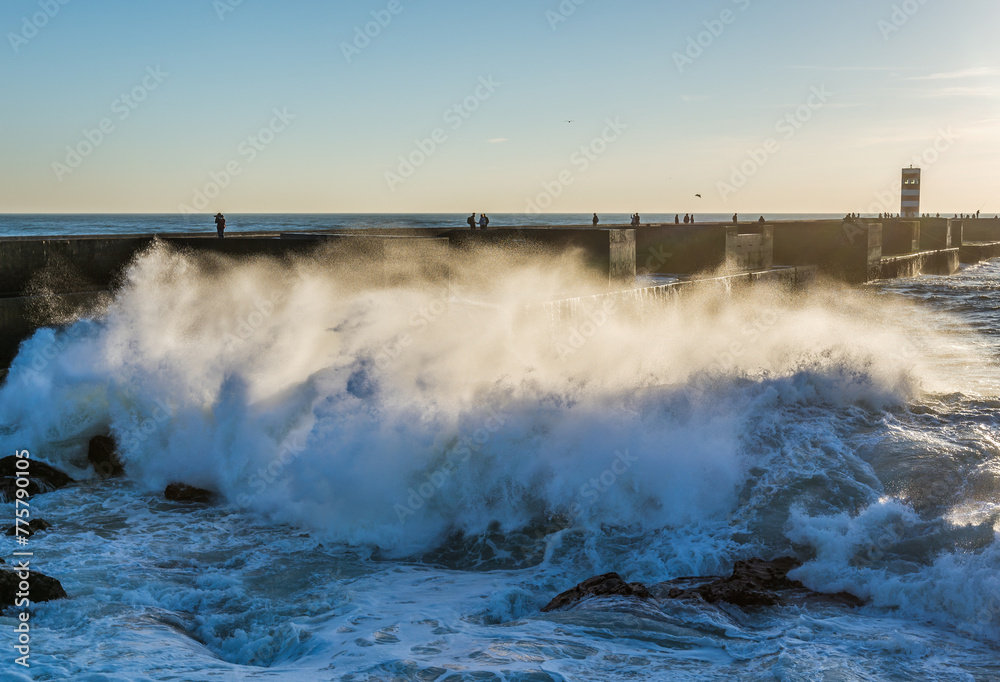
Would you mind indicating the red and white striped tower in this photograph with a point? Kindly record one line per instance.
(911, 193)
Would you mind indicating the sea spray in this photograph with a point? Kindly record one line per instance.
(851, 428)
(278, 366)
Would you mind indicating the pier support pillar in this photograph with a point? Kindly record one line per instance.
(621, 269)
(749, 252)
(957, 228)
(936, 235)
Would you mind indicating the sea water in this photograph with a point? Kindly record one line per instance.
(407, 475)
(39, 225)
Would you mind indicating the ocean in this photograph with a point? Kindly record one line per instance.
(38, 225)
(406, 476)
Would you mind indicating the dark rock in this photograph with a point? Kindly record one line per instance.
(42, 478)
(607, 585)
(34, 526)
(753, 583)
(180, 492)
(102, 452)
(756, 582)
(41, 587)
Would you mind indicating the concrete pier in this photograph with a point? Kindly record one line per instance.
(980, 240)
(981, 230)
(977, 252)
(750, 250)
(610, 251)
(850, 251)
(900, 237)
(43, 280)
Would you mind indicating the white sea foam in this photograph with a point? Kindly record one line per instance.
(394, 416)
(867, 555)
(392, 419)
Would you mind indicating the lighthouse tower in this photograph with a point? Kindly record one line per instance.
(911, 193)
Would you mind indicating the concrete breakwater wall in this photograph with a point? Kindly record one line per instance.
(977, 252)
(644, 300)
(982, 230)
(863, 251)
(48, 281)
(44, 280)
(609, 251)
(845, 250)
(693, 249)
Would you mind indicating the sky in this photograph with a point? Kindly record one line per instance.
(413, 106)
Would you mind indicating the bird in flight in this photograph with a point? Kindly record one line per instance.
(698, 195)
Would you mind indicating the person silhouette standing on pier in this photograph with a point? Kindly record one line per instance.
(220, 225)
(596, 220)
(736, 219)
(471, 220)
(677, 219)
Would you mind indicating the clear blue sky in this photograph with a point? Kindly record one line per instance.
(892, 87)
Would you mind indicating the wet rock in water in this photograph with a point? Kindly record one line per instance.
(181, 492)
(40, 587)
(41, 477)
(756, 582)
(32, 527)
(607, 585)
(102, 452)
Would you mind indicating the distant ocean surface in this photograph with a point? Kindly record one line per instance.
(41, 225)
